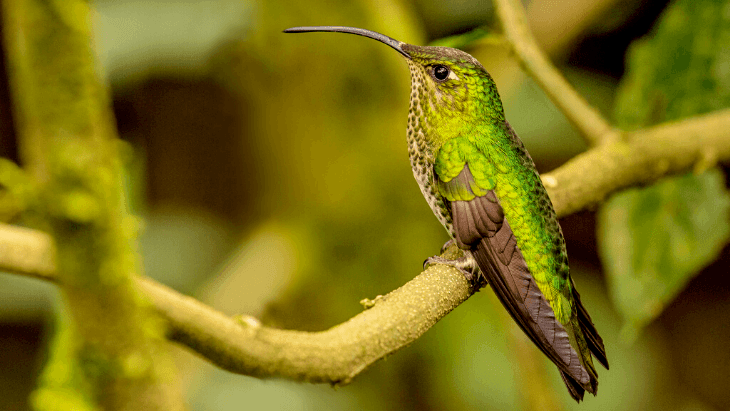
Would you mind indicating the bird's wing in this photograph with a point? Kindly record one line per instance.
(480, 225)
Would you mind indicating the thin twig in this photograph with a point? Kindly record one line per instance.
(586, 119)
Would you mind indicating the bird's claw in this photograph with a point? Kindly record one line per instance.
(465, 264)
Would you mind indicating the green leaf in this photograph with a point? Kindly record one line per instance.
(461, 41)
(654, 240)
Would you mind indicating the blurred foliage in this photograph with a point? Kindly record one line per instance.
(443, 18)
(653, 241)
(671, 230)
(327, 119)
(329, 213)
(16, 190)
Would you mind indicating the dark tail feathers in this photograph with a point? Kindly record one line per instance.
(595, 342)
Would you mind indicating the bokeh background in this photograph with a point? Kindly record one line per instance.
(272, 176)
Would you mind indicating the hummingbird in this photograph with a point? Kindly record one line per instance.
(482, 185)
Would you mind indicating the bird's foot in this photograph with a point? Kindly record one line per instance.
(466, 264)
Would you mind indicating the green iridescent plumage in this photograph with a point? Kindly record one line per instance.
(458, 133)
(523, 213)
(483, 187)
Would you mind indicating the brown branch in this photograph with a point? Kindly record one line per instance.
(584, 117)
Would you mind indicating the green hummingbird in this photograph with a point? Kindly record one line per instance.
(483, 187)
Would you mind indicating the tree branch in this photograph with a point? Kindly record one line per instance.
(646, 155)
(584, 117)
(334, 356)
(399, 318)
(244, 346)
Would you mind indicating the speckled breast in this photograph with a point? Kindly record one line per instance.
(421, 154)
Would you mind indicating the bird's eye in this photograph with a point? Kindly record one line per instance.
(441, 72)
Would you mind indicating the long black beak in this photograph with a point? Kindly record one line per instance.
(353, 30)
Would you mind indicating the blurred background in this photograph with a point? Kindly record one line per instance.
(272, 176)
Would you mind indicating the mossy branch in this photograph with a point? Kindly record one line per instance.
(694, 144)
(242, 345)
(112, 349)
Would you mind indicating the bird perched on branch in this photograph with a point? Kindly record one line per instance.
(483, 187)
